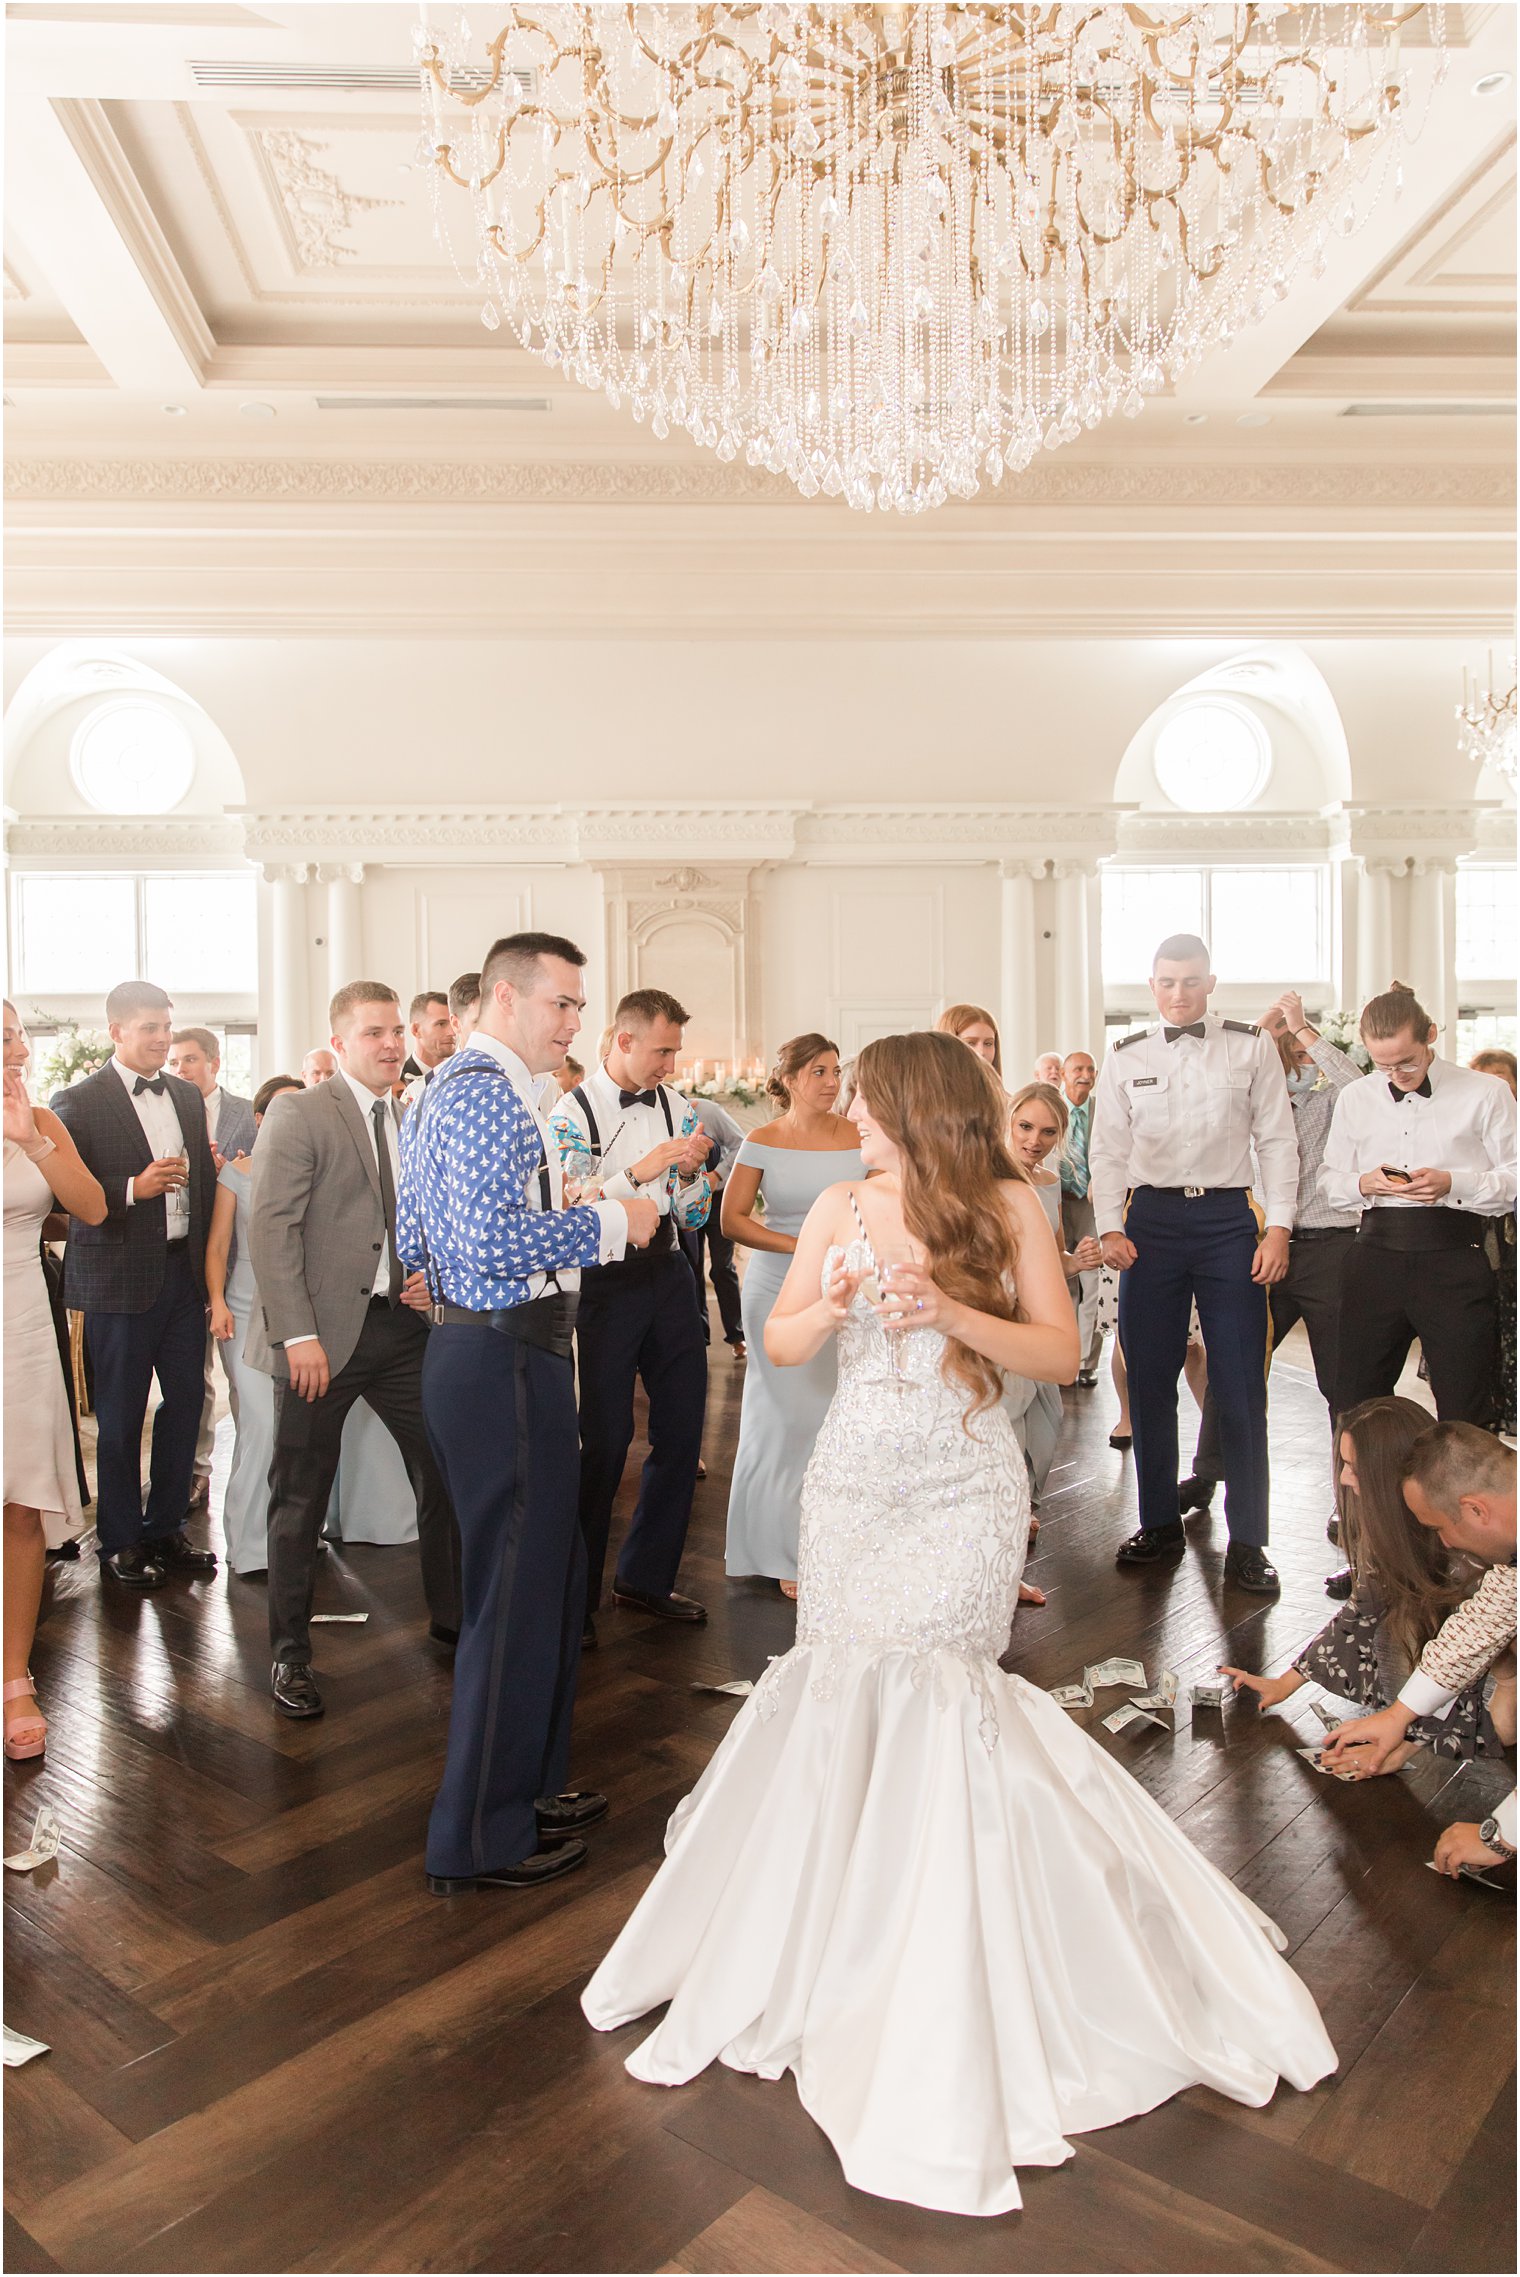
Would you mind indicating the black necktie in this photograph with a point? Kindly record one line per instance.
(378, 1114)
(638, 1099)
(158, 1087)
(1193, 1028)
(1417, 1091)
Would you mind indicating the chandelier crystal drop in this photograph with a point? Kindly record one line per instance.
(1486, 723)
(892, 252)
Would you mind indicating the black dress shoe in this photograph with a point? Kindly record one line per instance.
(1195, 1493)
(441, 1633)
(68, 1549)
(1086, 1380)
(1339, 1584)
(1333, 1532)
(1121, 1439)
(671, 1608)
(588, 1635)
(134, 1569)
(1153, 1545)
(1247, 1566)
(176, 1555)
(567, 1814)
(543, 1866)
(292, 1689)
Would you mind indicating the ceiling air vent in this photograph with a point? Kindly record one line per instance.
(321, 79)
(432, 403)
(1493, 409)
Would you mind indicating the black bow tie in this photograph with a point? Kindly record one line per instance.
(157, 1085)
(1417, 1091)
(638, 1099)
(1193, 1028)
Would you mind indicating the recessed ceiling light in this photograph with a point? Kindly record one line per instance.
(1254, 419)
(256, 410)
(1195, 419)
(174, 411)
(1491, 83)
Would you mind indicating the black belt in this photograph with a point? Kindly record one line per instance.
(1321, 1232)
(1422, 1229)
(182, 1241)
(548, 1322)
(1193, 1193)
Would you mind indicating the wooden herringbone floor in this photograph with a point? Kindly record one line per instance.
(272, 2050)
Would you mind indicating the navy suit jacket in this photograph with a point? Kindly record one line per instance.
(118, 1266)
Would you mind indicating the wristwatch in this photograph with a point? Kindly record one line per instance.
(1492, 1839)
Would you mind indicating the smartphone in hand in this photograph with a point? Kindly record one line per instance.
(1400, 1177)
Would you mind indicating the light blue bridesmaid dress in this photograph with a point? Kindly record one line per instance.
(783, 1407)
(1035, 1410)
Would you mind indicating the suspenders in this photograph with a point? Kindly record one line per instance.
(545, 1195)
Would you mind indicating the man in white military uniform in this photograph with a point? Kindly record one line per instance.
(1180, 1108)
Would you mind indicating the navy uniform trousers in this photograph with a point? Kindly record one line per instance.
(640, 1321)
(1187, 1250)
(501, 1417)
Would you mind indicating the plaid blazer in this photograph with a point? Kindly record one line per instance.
(118, 1266)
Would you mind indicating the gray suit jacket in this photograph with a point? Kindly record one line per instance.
(315, 1226)
(234, 1126)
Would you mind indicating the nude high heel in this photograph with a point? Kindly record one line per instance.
(27, 1736)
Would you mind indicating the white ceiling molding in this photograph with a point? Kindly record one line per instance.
(137, 225)
(119, 842)
(1417, 833)
(1159, 836)
(312, 205)
(1461, 259)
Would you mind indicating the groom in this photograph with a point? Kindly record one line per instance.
(480, 1211)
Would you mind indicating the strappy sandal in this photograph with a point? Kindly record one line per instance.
(27, 1735)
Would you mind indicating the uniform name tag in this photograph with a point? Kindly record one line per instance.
(1143, 1082)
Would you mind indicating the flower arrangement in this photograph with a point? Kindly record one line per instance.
(733, 1087)
(1340, 1029)
(75, 1053)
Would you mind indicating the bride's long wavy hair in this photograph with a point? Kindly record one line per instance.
(947, 1115)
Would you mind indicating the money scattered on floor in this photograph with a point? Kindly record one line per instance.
(1072, 1695)
(1105, 1672)
(46, 1835)
(1331, 1718)
(339, 1616)
(18, 2048)
(1312, 1755)
(1209, 1692)
(1163, 1693)
(1128, 1714)
(738, 1688)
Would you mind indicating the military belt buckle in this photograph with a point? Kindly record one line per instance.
(435, 1313)
(1192, 1193)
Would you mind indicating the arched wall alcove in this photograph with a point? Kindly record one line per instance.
(62, 693)
(1279, 687)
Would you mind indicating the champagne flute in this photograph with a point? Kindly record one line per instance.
(583, 1176)
(890, 1259)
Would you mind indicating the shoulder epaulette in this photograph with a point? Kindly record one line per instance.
(1241, 1027)
(1135, 1036)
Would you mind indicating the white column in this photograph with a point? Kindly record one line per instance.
(345, 923)
(1019, 1008)
(289, 1040)
(1374, 926)
(1432, 940)
(1074, 958)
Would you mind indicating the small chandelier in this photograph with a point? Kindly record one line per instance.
(1486, 723)
(890, 251)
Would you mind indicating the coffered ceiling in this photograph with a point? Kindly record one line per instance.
(246, 385)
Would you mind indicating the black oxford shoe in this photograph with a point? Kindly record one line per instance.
(177, 1555)
(671, 1608)
(1153, 1545)
(1195, 1494)
(134, 1569)
(293, 1690)
(567, 1814)
(1333, 1532)
(441, 1633)
(1247, 1566)
(543, 1866)
(588, 1635)
(1338, 1584)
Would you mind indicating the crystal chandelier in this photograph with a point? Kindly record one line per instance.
(1486, 723)
(890, 251)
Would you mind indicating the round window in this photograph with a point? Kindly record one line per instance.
(132, 758)
(1213, 756)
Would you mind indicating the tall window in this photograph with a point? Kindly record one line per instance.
(195, 934)
(1213, 757)
(1486, 921)
(132, 756)
(1267, 925)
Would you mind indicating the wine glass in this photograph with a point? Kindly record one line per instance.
(583, 1175)
(890, 1259)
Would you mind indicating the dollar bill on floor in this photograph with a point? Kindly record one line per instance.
(1071, 1695)
(1106, 1672)
(738, 1689)
(1162, 1694)
(19, 2049)
(1331, 1718)
(1209, 1692)
(1127, 1714)
(338, 1616)
(1312, 1755)
(46, 1836)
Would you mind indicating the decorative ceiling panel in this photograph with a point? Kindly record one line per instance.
(1461, 261)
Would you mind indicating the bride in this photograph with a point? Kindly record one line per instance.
(905, 1876)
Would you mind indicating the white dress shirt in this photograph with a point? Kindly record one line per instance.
(613, 1216)
(628, 1134)
(1191, 1113)
(160, 1124)
(213, 1111)
(1466, 1127)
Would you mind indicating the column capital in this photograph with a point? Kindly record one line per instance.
(286, 873)
(339, 873)
(1032, 866)
(1433, 865)
(1075, 866)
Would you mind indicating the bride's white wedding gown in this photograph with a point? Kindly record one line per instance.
(910, 1878)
